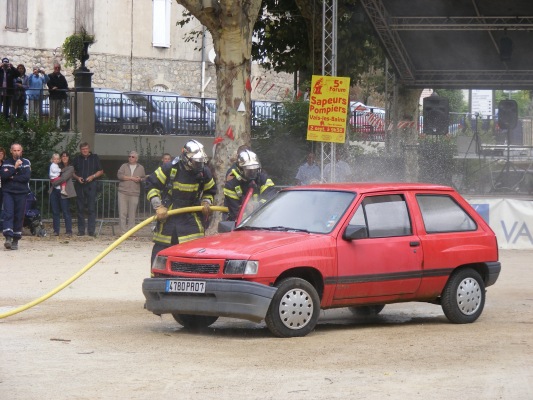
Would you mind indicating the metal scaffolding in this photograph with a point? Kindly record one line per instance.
(329, 68)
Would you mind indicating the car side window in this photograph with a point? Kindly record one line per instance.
(383, 216)
(442, 214)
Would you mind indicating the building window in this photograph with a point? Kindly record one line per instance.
(160, 88)
(84, 16)
(161, 23)
(17, 15)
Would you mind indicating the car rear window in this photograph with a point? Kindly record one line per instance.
(442, 214)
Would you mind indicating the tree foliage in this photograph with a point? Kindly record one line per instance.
(289, 38)
(281, 143)
(455, 98)
(39, 141)
(72, 47)
(522, 98)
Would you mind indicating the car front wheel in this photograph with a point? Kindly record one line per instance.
(294, 309)
(463, 297)
(194, 321)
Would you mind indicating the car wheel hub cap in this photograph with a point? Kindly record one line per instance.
(296, 309)
(468, 296)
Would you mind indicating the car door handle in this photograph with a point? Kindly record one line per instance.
(414, 244)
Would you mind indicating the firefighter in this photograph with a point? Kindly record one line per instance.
(184, 182)
(246, 175)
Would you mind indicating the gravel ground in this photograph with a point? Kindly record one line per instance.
(94, 340)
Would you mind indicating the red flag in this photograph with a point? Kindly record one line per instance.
(229, 133)
(218, 139)
(248, 85)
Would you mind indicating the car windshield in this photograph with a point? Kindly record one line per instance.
(315, 211)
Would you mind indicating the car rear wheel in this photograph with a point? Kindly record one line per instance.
(367, 311)
(194, 321)
(463, 297)
(294, 309)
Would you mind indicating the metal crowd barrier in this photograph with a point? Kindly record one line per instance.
(106, 201)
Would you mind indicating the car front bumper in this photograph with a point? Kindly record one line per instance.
(222, 297)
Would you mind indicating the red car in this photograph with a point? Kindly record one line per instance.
(360, 245)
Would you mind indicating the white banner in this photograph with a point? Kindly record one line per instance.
(510, 219)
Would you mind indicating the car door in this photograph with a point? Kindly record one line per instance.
(387, 261)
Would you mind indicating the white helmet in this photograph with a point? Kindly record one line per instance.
(193, 155)
(249, 165)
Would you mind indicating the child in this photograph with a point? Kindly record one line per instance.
(55, 172)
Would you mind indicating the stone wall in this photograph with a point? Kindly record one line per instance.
(122, 73)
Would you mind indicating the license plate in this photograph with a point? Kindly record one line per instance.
(185, 286)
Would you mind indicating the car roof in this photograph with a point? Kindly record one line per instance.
(369, 187)
(106, 90)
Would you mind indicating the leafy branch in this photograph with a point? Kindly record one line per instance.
(73, 47)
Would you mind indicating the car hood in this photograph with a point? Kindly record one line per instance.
(242, 244)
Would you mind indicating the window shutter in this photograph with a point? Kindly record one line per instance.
(161, 23)
(11, 17)
(17, 15)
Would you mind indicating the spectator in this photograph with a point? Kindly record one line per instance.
(15, 175)
(2, 158)
(247, 176)
(36, 82)
(58, 87)
(343, 171)
(60, 203)
(55, 174)
(166, 158)
(308, 172)
(130, 175)
(87, 169)
(8, 74)
(19, 92)
(184, 182)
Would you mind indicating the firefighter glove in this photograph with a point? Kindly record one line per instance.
(161, 213)
(206, 211)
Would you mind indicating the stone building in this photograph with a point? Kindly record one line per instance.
(138, 45)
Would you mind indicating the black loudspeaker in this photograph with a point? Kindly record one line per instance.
(507, 114)
(436, 115)
(506, 48)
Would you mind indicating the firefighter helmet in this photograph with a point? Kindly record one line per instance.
(194, 157)
(249, 165)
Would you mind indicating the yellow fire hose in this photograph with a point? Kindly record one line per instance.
(102, 255)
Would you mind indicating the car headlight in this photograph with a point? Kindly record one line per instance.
(160, 262)
(241, 267)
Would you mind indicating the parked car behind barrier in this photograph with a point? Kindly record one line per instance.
(179, 115)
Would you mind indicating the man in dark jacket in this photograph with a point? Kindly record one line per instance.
(15, 174)
(8, 74)
(87, 169)
(58, 88)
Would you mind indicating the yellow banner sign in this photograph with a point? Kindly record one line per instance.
(328, 109)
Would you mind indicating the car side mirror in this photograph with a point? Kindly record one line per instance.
(226, 226)
(353, 232)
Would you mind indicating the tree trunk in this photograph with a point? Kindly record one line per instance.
(230, 23)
